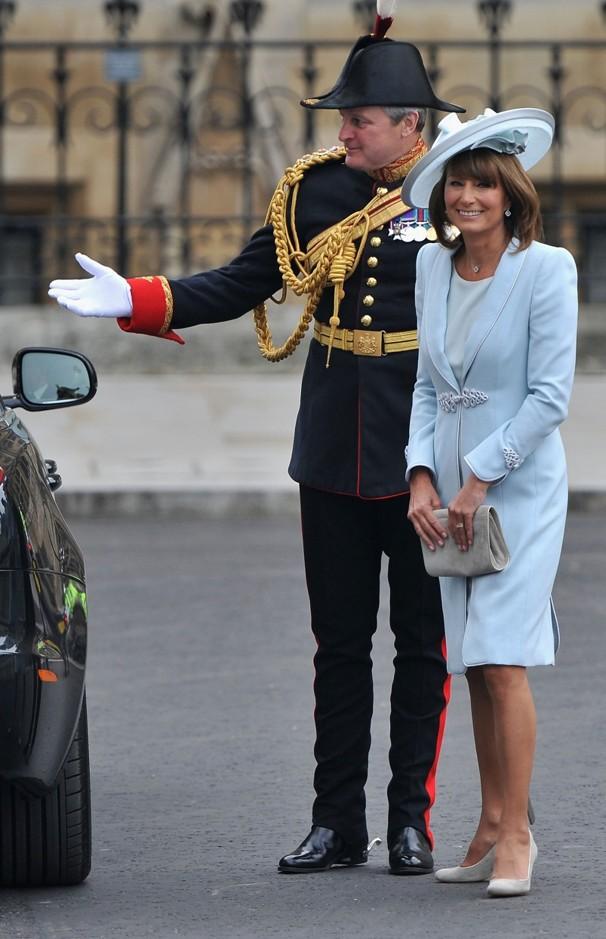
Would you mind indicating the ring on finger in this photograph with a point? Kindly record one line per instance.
(459, 525)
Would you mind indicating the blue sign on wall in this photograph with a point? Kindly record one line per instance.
(122, 65)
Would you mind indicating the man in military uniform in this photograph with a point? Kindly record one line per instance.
(352, 251)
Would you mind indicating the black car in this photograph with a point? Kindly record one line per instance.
(45, 823)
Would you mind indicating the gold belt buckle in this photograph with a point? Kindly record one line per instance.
(368, 343)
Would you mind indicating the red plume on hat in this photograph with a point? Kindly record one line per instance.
(381, 72)
(385, 12)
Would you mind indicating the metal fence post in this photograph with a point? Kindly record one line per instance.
(247, 13)
(556, 73)
(61, 75)
(309, 73)
(185, 78)
(7, 11)
(122, 15)
(494, 13)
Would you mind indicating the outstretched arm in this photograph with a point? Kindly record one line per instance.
(157, 305)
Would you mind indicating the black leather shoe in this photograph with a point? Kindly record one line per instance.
(409, 853)
(322, 849)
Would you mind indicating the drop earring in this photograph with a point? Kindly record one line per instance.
(508, 213)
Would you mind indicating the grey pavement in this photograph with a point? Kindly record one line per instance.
(199, 684)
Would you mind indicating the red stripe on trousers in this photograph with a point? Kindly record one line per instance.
(430, 782)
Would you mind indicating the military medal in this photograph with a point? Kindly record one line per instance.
(413, 225)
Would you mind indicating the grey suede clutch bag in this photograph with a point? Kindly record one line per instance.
(487, 555)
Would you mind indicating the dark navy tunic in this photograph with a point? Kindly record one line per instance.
(352, 425)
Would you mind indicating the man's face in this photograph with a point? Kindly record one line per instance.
(371, 139)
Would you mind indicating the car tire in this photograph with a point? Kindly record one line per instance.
(45, 839)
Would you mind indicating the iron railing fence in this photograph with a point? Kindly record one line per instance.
(79, 120)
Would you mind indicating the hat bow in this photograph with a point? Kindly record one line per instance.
(509, 141)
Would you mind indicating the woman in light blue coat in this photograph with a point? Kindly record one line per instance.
(497, 326)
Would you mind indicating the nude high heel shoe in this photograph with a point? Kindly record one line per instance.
(505, 887)
(474, 873)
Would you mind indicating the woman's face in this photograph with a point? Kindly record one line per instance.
(475, 206)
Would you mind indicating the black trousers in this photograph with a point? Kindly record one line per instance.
(344, 539)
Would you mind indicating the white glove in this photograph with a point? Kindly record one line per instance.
(106, 293)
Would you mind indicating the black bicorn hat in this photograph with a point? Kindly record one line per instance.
(383, 72)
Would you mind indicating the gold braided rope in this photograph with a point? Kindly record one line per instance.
(337, 262)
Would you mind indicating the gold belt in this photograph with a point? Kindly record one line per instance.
(367, 342)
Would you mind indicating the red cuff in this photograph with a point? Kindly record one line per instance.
(152, 309)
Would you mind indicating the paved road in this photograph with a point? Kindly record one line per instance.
(200, 708)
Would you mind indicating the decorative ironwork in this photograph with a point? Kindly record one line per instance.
(122, 15)
(201, 17)
(7, 12)
(494, 13)
(248, 13)
(163, 140)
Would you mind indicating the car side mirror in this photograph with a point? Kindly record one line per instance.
(44, 379)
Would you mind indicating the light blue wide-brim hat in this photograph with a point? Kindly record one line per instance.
(525, 132)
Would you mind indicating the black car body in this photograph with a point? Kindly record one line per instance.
(45, 835)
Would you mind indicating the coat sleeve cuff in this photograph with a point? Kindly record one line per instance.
(152, 309)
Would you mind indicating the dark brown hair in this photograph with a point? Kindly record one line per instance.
(492, 168)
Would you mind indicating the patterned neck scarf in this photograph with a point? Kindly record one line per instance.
(402, 166)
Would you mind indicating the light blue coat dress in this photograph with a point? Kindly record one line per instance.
(501, 423)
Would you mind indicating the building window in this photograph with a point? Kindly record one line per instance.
(593, 243)
(20, 256)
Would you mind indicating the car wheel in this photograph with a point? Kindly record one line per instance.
(45, 839)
